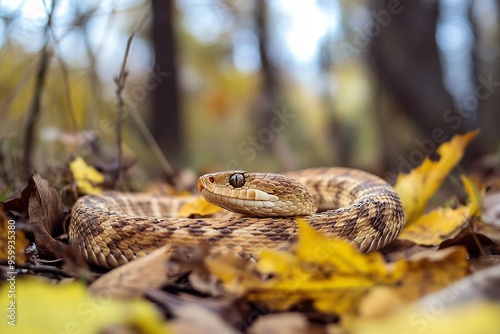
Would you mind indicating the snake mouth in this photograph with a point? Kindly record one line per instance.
(200, 186)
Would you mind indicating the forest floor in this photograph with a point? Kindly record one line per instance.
(440, 275)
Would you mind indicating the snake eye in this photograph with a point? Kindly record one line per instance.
(237, 180)
(211, 179)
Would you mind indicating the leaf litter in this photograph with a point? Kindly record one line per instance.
(314, 285)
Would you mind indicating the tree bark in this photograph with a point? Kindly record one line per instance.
(406, 60)
(166, 119)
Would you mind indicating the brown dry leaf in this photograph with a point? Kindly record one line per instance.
(193, 319)
(281, 323)
(491, 208)
(475, 243)
(489, 230)
(415, 189)
(13, 243)
(198, 207)
(46, 212)
(43, 205)
(133, 279)
(234, 312)
(87, 178)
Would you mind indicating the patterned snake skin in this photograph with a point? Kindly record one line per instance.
(112, 229)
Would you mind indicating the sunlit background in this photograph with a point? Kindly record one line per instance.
(256, 85)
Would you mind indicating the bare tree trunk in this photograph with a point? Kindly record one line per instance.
(29, 132)
(166, 119)
(407, 63)
(269, 99)
(488, 94)
(338, 132)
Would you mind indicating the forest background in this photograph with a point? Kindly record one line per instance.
(255, 85)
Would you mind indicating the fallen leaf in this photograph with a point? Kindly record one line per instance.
(480, 286)
(470, 318)
(199, 207)
(330, 273)
(438, 225)
(470, 305)
(476, 192)
(87, 178)
(134, 278)
(234, 312)
(475, 243)
(13, 243)
(430, 271)
(281, 323)
(444, 223)
(491, 208)
(193, 319)
(43, 205)
(415, 189)
(36, 302)
(46, 212)
(380, 301)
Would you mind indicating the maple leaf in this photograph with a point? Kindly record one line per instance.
(444, 223)
(415, 189)
(329, 272)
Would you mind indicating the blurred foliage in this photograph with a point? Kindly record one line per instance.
(335, 104)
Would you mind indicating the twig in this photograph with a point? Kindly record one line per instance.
(476, 239)
(165, 165)
(120, 85)
(34, 112)
(40, 269)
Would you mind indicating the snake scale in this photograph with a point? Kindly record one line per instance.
(111, 229)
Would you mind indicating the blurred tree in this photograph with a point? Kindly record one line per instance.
(166, 114)
(269, 97)
(488, 71)
(338, 132)
(407, 64)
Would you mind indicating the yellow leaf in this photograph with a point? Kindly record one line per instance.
(444, 223)
(86, 177)
(34, 306)
(13, 243)
(198, 207)
(476, 194)
(431, 271)
(416, 188)
(464, 319)
(330, 273)
(438, 225)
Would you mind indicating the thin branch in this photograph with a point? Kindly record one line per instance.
(146, 132)
(34, 112)
(120, 85)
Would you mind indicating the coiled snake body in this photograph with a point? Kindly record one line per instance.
(115, 228)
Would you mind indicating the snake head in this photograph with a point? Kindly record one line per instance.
(257, 194)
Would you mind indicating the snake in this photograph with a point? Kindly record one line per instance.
(258, 211)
